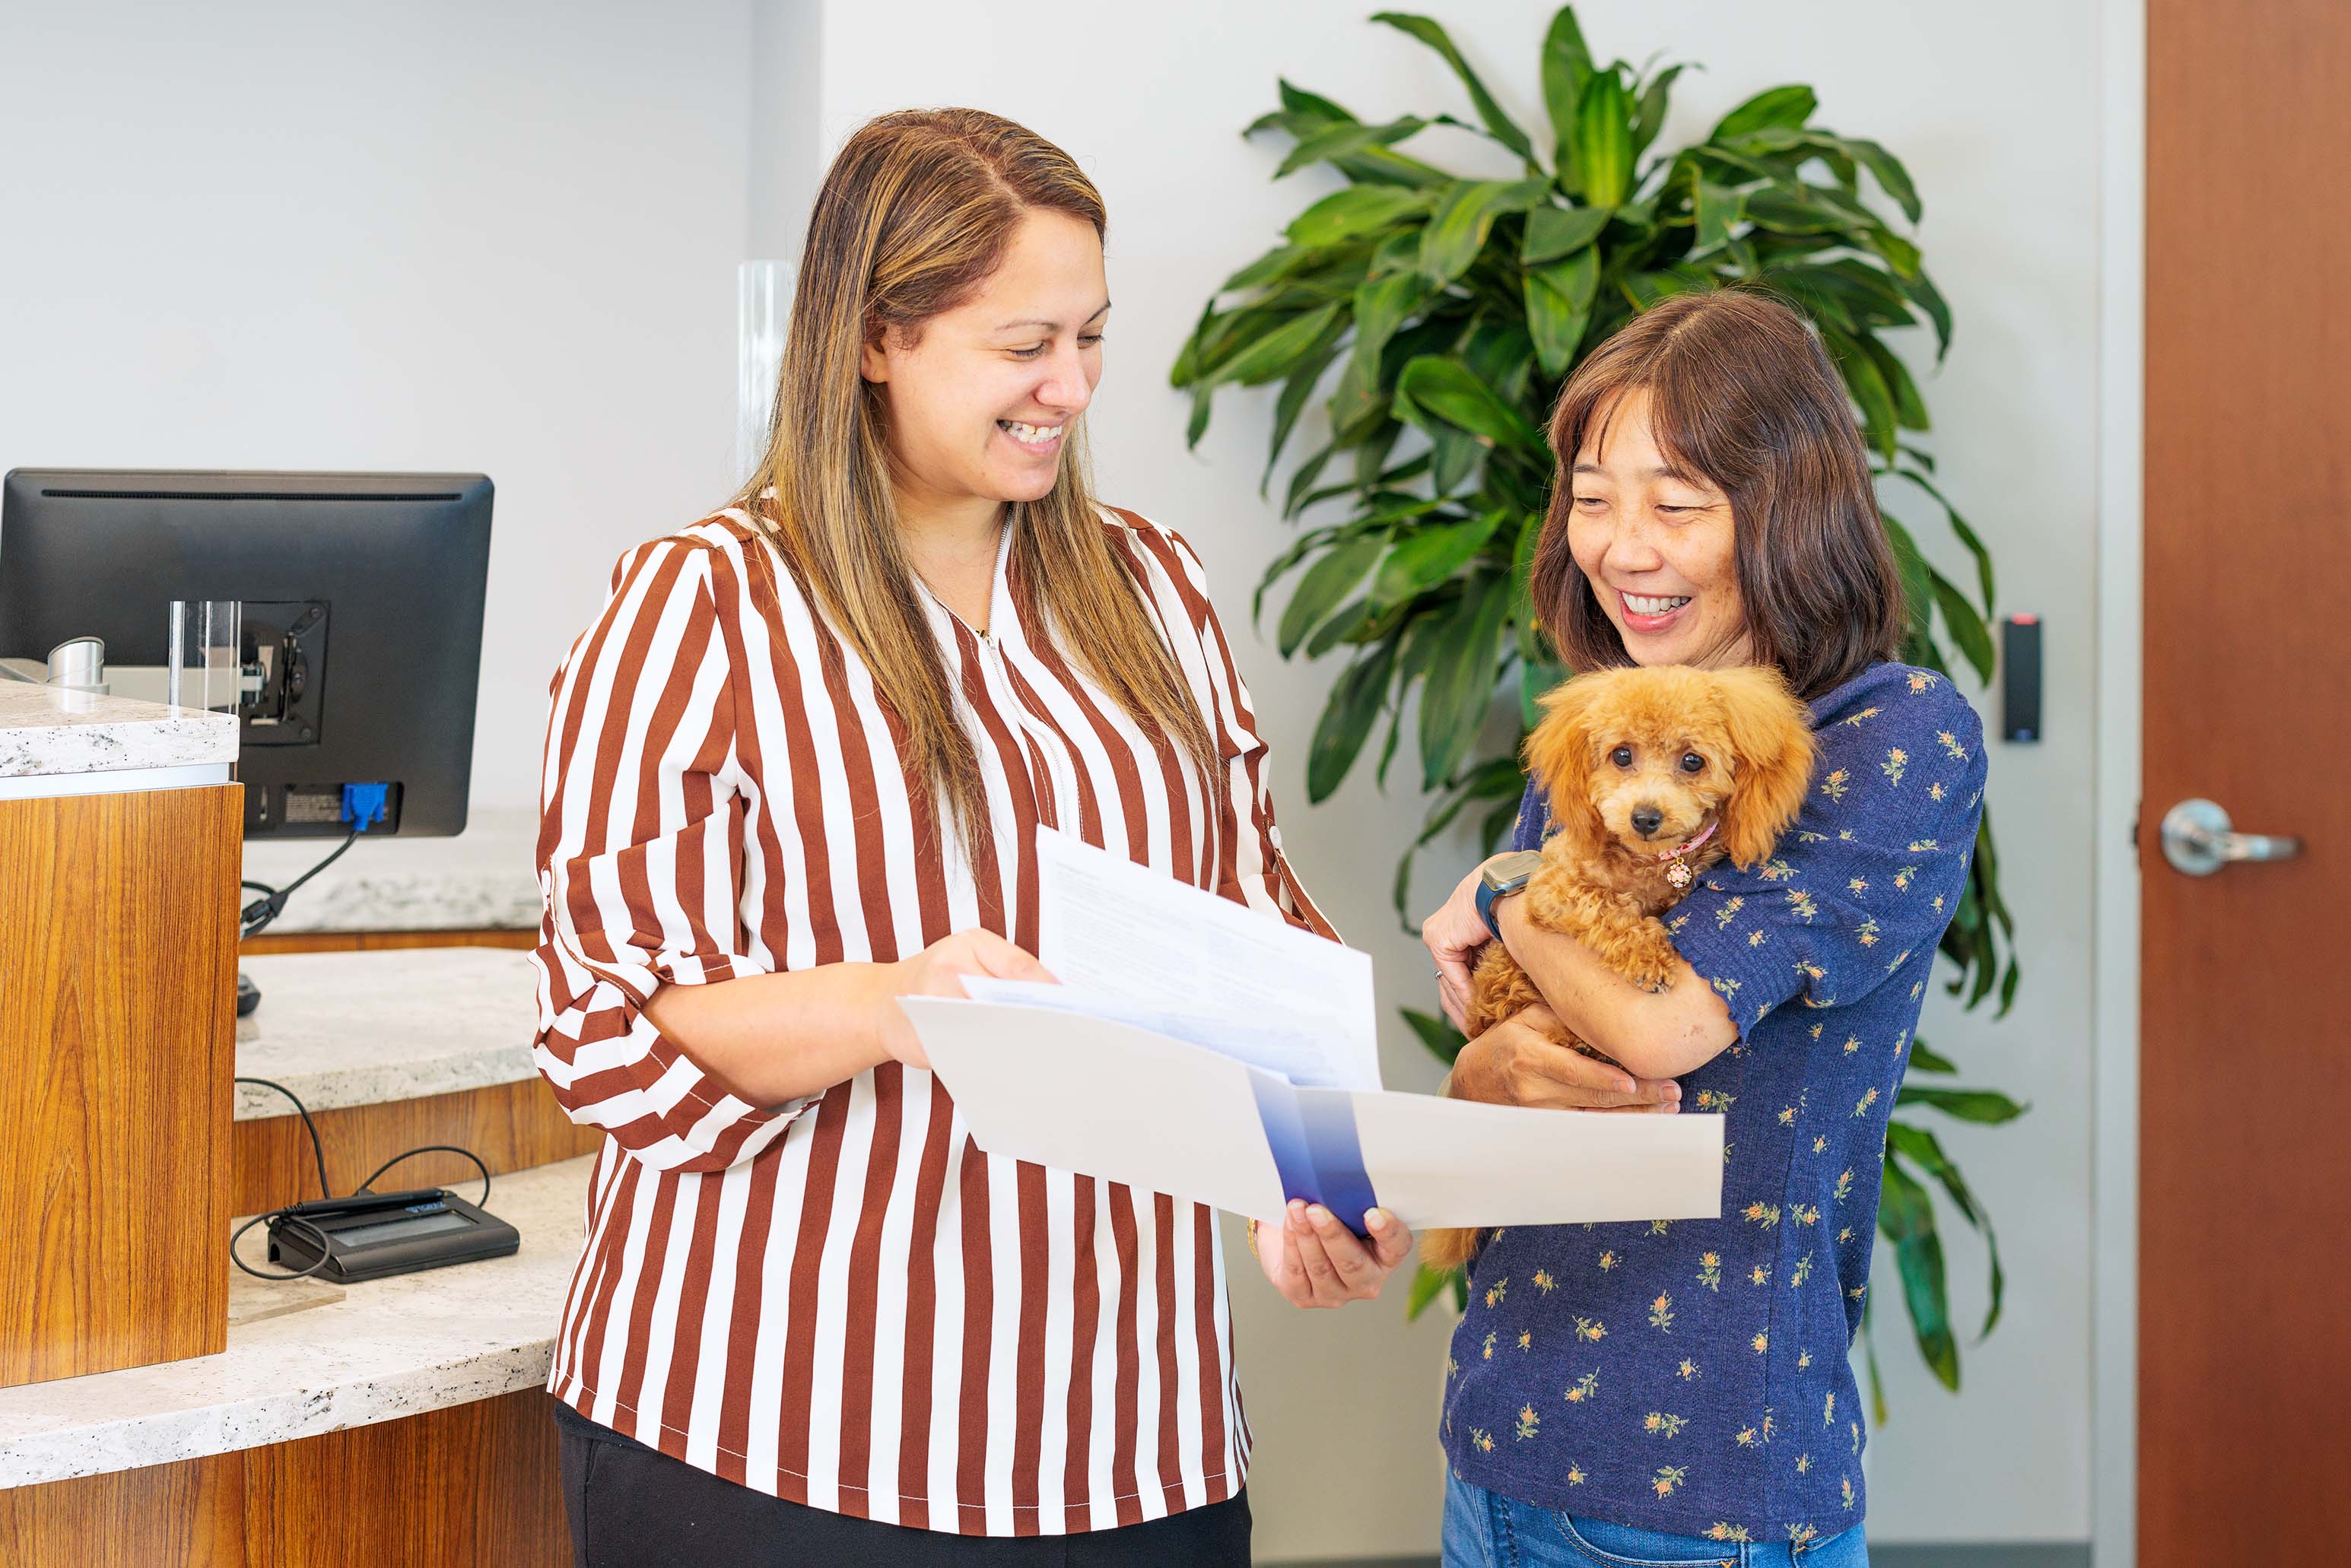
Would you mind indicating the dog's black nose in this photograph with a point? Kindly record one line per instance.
(1645, 819)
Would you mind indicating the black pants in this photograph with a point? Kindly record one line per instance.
(635, 1506)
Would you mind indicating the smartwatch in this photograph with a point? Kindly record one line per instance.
(1501, 877)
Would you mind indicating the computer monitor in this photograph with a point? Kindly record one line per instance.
(361, 598)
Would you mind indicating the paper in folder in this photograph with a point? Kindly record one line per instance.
(1213, 1052)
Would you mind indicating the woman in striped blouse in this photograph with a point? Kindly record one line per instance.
(794, 771)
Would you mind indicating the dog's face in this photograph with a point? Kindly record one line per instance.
(1648, 759)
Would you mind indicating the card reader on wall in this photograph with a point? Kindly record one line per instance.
(370, 1235)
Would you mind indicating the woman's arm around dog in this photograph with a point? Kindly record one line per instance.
(1654, 1036)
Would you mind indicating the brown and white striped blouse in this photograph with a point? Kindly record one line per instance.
(841, 1301)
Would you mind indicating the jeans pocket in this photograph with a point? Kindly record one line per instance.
(1629, 1546)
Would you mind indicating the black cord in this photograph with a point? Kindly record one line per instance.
(315, 1148)
(368, 1184)
(317, 1238)
(257, 914)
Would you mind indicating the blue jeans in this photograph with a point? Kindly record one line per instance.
(1486, 1530)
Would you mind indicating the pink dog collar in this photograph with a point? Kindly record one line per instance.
(1679, 873)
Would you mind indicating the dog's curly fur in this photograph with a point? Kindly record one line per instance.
(1616, 742)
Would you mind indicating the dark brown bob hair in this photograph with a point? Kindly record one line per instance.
(1740, 391)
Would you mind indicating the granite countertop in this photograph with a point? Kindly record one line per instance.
(389, 1348)
(45, 730)
(484, 879)
(358, 1029)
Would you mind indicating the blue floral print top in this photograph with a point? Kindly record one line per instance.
(1691, 1375)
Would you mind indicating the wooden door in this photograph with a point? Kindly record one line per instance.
(2244, 1313)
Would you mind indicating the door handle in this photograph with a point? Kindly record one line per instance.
(2198, 840)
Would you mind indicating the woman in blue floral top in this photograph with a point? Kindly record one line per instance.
(1680, 1392)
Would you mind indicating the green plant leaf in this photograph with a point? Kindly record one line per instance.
(1905, 1216)
(1457, 455)
(1298, 100)
(1922, 290)
(1504, 128)
(1717, 208)
(1304, 545)
(1650, 117)
(1856, 293)
(1924, 1059)
(1923, 1149)
(1356, 211)
(1498, 780)
(1465, 217)
(1987, 1106)
(1910, 408)
(1966, 627)
(1553, 232)
(1447, 390)
(1273, 354)
(1604, 141)
(1869, 1356)
(1891, 177)
(1382, 304)
(1536, 676)
(1899, 253)
(1428, 1284)
(1301, 493)
(1427, 556)
(1532, 645)
(1460, 684)
(1497, 354)
(1790, 105)
(1566, 66)
(1337, 142)
(1295, 391)
(1967, 534)
(1861, 379)
(1558, 307)
(1197, 425)
(1347, 720)
(1917, 588)
(1387, 166)
(1444, 1042)
(1271, 267)
(1326, 584)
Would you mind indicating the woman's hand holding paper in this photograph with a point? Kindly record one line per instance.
(1314, 1261)
(937, 971)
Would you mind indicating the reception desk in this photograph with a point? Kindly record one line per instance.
(394, 1420)
(119, 843)
(216, 1419)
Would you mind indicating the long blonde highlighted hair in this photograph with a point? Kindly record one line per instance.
(913, 218)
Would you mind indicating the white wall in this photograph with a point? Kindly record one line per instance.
(505, 238)
(1344, 1406)
(432, 235)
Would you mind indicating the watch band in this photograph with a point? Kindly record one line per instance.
(1491, 890)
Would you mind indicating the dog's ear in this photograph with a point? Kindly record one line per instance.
(1558, 758)
(1771, 735)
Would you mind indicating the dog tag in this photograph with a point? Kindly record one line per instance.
(1678, 875)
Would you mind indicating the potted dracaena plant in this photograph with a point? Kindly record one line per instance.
(1437, 316)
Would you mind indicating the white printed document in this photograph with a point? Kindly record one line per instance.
(1214, 1053)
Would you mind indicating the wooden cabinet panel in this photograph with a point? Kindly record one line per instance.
(472, 1486)
(118, 953)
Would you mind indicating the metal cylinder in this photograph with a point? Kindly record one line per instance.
(78, 663)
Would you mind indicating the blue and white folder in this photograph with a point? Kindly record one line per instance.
(1212, 1052)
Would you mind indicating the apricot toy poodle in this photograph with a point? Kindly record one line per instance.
(1652, 775)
